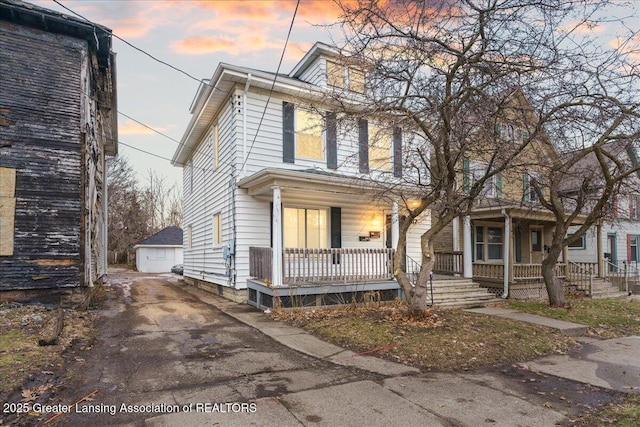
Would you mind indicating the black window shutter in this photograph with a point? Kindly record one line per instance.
(332, 141)
(363, 146)
(288, 133)
(336, 231)
(397, 152)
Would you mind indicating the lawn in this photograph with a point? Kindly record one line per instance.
(606, 318)
(444, 340)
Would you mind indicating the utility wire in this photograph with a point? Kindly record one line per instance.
(273, 84)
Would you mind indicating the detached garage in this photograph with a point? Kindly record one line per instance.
(160, 252)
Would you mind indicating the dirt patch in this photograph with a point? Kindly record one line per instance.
(27, 369)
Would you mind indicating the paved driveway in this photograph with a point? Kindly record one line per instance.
(166, 356)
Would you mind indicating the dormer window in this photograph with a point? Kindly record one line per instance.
(335, 74)
(342, 77)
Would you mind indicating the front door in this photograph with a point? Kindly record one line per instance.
(537, 246)
(611, 249)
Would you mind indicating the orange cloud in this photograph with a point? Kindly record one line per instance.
(132, 128)
(204, 44)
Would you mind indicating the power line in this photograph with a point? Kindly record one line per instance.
(273, 84)
(150, 128)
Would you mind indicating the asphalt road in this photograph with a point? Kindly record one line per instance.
(166, 356)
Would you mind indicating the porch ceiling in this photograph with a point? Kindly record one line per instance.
(262, 182)
(528, 213)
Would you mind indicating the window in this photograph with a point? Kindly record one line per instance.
(581, 243)
(494, 242)
(217, 229)
(488, 243)
(189, 237)
(479, 243)
(492, 185)
(529, 192)
(308, 129)
(356, 80)
(335, 74)
(633, 248)
(633, 206)
(536, 240)
(379, 148)
(305, 228)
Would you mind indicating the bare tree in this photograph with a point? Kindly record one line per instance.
(451, 72)
(163, 202)
(128, 221)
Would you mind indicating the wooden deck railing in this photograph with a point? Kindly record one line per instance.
(448, 262)
(337, 265)
(260, 263)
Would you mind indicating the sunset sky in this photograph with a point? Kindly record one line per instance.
(195, 36)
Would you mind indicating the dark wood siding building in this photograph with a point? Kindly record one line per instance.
(58, 122)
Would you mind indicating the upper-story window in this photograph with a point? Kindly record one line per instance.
(379, 148)
(474, 171)
(634, 213)
(213, 141)
(308, 130)
(511, 133)
(343, 77)
(529, 191)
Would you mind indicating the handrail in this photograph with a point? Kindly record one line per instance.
(626, 269)
(581, 273)
(412, 270)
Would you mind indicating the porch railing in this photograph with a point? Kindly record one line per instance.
(260, 263)
(336, 265)
(528, 272)
(580, 274)
(621, 275)
(448, 262)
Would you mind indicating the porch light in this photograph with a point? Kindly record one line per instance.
(413, 204)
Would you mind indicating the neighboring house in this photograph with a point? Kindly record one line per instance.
(278, 194)
(160, 252)
(501, 244)
(58, 122)
(616, 241)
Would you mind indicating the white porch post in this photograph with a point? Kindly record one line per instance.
(506, 254)
(600, 250)
(276, 259)
(467, 264)
(395, 225)
(455, 231)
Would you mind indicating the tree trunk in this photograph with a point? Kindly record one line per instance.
(551, 281)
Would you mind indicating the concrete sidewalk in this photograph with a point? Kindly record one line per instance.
(612, 364)
(397, 394)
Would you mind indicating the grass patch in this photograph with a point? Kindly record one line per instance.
(625, 414)
(606, 318)
(444, 340)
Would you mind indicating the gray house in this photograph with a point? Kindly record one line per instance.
(58, 124)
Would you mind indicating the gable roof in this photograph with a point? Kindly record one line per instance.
(170, 236)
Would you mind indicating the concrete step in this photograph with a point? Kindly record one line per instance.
(611, 294)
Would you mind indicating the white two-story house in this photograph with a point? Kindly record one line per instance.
(281, 201)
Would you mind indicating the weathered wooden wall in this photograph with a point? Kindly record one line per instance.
(40, 137)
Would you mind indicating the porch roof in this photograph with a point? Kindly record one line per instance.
(261, 182)
(526, 211)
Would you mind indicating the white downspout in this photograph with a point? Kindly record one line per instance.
(244, 123)
(505, 253)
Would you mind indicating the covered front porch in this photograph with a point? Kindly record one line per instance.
(331, 241)
(503, 248)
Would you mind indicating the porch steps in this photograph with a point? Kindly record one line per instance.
(602, 288)
(460, 293)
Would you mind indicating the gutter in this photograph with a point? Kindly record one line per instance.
(244, 123)
(506, 254)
